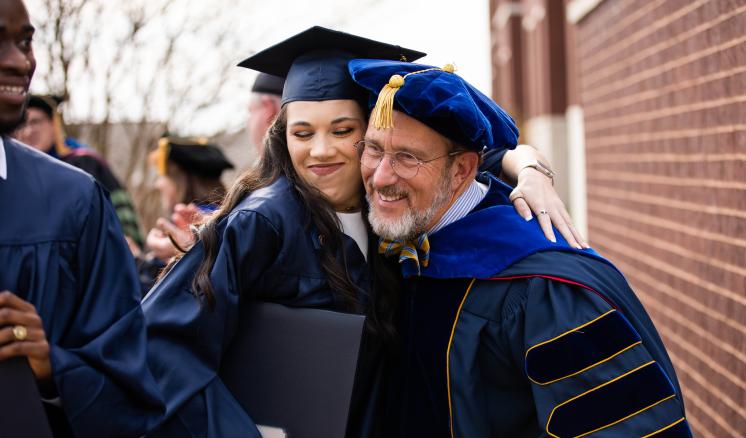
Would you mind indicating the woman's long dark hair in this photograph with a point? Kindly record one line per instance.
(275, 162)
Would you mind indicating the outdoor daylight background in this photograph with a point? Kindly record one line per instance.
(639, 104)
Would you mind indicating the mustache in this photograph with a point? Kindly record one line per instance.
(391, 191)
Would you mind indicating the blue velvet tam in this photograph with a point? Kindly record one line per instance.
(314, 63)
(436, 97)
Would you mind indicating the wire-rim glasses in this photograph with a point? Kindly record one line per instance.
(404, 164)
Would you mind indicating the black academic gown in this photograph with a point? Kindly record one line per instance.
(506, 334)
(64, 252)
(265, 253)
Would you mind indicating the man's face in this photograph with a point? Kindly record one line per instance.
(404, 208)
(17, 62)
(38, 131)
(262, 112)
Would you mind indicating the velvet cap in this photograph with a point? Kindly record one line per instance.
(314, 63)
(437, 97)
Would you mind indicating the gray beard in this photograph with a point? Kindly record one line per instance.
(413, 222)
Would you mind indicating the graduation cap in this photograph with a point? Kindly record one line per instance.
(46, 103)
(194, 155)
(269, 84)
(438, 98)
(314, 63)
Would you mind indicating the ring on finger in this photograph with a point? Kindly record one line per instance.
(515, 195)
(20, 333)
(543, 212)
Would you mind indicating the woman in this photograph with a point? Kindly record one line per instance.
(189, 171)
(291, 232)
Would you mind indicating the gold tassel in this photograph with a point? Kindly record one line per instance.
(163, 149)
(59, 137)
(383, 112)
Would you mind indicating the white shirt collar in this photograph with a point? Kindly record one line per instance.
(3, 161)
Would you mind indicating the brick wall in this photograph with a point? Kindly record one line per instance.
(662, 84)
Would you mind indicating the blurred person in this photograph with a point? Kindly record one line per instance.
(43, 129)
(292, 231)
(189, 171)
(503, 332)
(264, 104)
(68, 286)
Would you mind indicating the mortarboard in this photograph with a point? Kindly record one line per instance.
(438, 98)
(195, 156)
(314, 63)
(46, 103)
(270, 84)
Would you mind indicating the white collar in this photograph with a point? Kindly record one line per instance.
(3, 162)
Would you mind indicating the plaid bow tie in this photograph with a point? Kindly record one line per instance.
(417, 251)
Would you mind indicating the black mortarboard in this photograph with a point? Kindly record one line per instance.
(269, 84)
(47, 103)
(314, 63)
(193, 155)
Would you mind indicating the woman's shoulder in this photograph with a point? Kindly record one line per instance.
(278, 203)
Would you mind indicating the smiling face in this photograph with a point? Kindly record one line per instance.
(17, 62)
(404, 208)
(321, 138)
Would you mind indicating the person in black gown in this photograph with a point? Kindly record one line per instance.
(68, 287)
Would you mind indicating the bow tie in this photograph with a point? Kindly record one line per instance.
(416, 250)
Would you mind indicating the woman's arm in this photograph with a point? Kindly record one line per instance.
(526, 169)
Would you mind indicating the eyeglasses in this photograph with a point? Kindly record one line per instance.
(404, 164)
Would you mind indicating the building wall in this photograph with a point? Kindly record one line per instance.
(662, 85)
(656, 108)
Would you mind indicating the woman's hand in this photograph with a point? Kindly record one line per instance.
(534, 193)
(22, 335)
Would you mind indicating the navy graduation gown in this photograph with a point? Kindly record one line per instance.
(265, 253)
(64, 252)
(522, 337)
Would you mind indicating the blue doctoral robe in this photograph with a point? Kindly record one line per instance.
(64, 252)
(265, 253)
(506, 334)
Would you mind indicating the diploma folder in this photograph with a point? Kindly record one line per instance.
(294, 368)
(21, 412)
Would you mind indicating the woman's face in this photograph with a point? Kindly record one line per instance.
(171, 191)
(321, 140)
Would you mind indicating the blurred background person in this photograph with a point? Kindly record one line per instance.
(264, 104)
(189, 171)
(44, 130)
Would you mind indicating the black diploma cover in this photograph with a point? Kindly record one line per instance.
(21, 411)
(294, 368)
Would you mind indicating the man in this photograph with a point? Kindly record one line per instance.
(501, 336)
(264, 104)
(68, 287)
(43, 130)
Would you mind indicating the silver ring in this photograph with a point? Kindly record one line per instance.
(543, 212)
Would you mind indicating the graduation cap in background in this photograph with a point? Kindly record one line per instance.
(314, 63)
(194, 155)
(437, 97)
(269, 84)
(47, 103)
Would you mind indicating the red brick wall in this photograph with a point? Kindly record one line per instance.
(663, 87)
